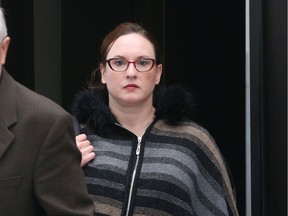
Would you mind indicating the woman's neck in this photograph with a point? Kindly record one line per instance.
(135, 119)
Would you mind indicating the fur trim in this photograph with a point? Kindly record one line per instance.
(172, 104)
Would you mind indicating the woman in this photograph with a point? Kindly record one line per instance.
(151, 159)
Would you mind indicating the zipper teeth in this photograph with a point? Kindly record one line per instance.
(134, 174)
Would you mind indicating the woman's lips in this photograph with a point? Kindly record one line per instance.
(130, 86)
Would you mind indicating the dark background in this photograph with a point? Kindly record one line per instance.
(55, 47)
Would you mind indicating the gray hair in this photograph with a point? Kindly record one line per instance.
(3, 27)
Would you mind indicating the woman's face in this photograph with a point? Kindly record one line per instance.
(130, 87)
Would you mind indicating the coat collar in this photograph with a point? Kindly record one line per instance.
(8, 114)
(173, 104)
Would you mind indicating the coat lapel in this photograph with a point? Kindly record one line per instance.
(6, 138)
(8, 114)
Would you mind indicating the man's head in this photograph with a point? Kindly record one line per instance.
(4, 39)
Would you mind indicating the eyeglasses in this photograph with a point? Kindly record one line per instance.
(121, 65)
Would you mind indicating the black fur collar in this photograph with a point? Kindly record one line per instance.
(172, 104)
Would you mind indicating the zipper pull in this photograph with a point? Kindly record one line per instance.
(138, 146)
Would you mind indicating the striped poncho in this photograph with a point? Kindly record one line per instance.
(174, 169)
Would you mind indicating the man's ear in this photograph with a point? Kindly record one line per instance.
(4, 49)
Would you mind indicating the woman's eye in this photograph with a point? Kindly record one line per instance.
(142, 62)
(120, 62)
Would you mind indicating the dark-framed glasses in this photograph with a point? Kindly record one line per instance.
(121, 65)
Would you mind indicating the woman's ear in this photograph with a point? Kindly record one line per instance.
(102, 71)
(158, 73)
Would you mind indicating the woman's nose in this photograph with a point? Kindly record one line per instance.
(131, 70)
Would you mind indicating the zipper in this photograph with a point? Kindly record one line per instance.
(134, 174)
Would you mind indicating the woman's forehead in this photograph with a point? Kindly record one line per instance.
(132, 44)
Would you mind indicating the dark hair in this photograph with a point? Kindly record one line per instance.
(120, 30)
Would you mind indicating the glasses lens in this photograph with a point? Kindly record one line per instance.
(118, 64)
(143, 65)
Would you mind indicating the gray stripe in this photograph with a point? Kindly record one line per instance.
(196, 205)
(105, 183)
(182, 155)
(117, 146)
(190, 182)
(109, 163)
(180, 166)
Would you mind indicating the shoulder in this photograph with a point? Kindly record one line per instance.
(32, 103)
(192, 134)
(185, 129)
(195, 138)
